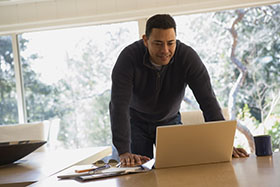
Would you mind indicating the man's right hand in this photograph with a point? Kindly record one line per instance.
(130, 160)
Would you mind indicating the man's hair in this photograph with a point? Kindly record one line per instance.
(159, 21)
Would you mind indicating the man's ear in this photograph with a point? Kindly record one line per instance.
(145, 40)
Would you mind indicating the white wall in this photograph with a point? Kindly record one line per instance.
(45, 14)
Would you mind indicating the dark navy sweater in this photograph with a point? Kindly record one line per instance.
(142, 92)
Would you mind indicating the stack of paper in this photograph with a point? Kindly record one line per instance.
(112, 171)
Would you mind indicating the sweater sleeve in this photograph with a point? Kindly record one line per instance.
(122, 85)
(199, 81)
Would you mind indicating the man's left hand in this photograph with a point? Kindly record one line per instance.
(239, 152)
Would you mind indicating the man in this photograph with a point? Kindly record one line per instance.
(148, 85)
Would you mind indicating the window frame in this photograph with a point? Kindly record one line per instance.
(21, 105)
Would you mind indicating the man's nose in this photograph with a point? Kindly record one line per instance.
(164, 48)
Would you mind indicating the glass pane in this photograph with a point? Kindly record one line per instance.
(67, 77)
(8, 102)
(241, 49)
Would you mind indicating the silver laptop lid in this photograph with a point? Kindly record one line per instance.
(181, 145)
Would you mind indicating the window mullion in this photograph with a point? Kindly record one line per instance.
(22, 115)
(141, 27)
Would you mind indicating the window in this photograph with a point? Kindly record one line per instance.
(8, 102)
(241, 51)
(67, 72)
(67, 75)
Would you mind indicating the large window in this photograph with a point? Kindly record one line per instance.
(241, 49)
(67, 77)
(8, 102)
(66, 73)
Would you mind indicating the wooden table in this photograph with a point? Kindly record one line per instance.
(39, 165)
(253, 171)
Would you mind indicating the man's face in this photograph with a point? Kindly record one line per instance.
(161, 45)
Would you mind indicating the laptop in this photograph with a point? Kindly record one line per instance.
(182, 145)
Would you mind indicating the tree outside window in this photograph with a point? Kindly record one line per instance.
(67, 77)
(8, 102)
(241, 51)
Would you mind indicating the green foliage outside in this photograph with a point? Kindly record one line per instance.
(257, 51)
(8, 104)
(274, 133)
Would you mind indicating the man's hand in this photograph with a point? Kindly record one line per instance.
(130, 160)
(239, 152)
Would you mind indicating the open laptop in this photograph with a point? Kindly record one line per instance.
(181, 145)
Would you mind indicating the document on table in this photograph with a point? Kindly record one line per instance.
(111, 172)
(108, 172)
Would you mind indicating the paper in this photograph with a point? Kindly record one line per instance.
(70, 172)
(112, 171)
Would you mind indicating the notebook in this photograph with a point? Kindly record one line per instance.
(182, 145)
